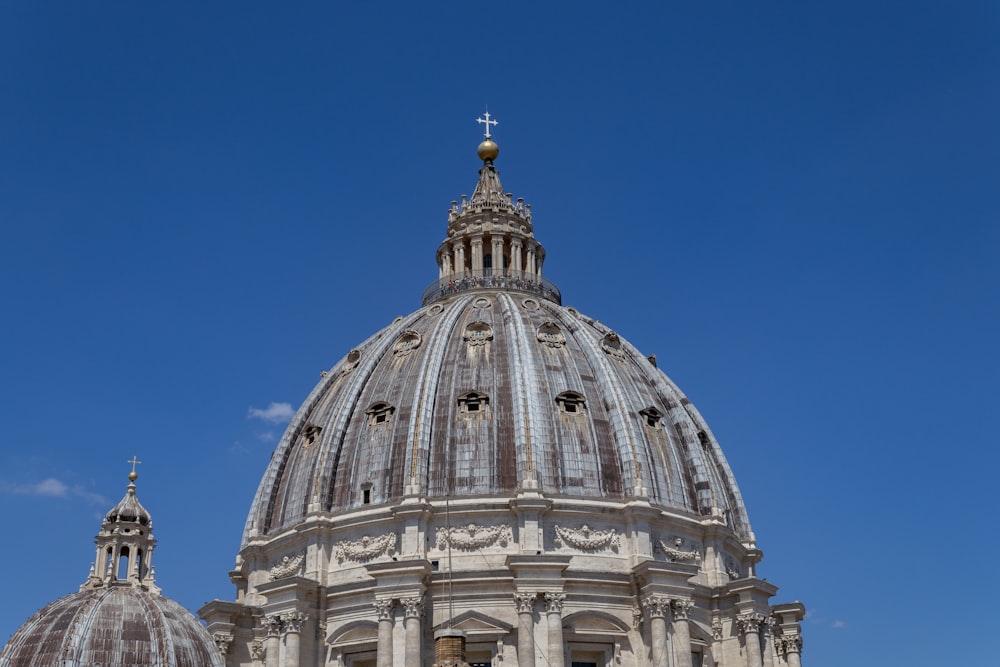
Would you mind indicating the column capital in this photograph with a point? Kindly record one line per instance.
(293, 621)
(554, 602)
(681, 607)
(256, 650)
(223, 641)
(412, 607)
(657, 605)
(273, 624)
(383, 609)
(524, 602)
(790, 643)
(749, 621)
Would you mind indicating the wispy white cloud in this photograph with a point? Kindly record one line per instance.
(52, 488)
(266, 436)
(237, 448)
(275, 413)
(838, 624)
(813, 616)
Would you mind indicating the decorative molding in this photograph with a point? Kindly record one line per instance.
(524, 603)
(550, 335)
(749, 622)
(554, 602)
(474, 537)
(223, 641)
(657, 605)
(636, 617)
(717, 629)
(383, 609)
(365, 549)
(256, 650)
(675, 553)
(587, 539)
(289, 566)
(412, 607)
(407, 342)
(477, 334)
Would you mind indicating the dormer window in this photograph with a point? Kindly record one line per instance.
(571, 402)
(379, 413)
(473, 403)
(652, 417)
(310, 433)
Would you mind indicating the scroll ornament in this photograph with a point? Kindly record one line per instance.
(587, 539)
(289, 565)
(366, 549)
(474, 537)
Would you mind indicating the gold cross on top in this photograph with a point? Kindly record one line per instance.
(135, 461)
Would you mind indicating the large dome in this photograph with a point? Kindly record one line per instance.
(481, 392)
(119, 616)
(498, 466)
(117, 625)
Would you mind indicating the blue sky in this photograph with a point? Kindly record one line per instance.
(202, 205)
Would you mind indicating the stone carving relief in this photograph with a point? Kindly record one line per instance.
(383, 609)
(749, 621)
(477, 334)
(789, 644)
(288, 566)
(675, 551)
(407, 342)
(550, 335)
(293, 621)
(474, 537)
(530, 304)
(366, 549)
(658, 606)
(524, 602)
(612, 345)
(256, 650)
(717, 629)
(353, 358)
(412, 607)
(586, 538)
(554, 602)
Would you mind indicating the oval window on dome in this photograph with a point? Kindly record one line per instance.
(478, 333)
(612, 345)
(408, 342)
(550, 335)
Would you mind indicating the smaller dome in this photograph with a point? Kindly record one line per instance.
(120, 625)
(129, 509)
(488, 150)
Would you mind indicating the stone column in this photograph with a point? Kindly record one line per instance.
(273, 647)
(497, 253)
(658, 606)
(553, 608)
(682, 633)
(459, 257)
(412, 608)
(515, 256)
(792, 647)
(477, 256)
(768, 640)
(749, 624)
(383, 651)
(524, 603)
(293, 628)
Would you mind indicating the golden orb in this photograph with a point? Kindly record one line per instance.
(488, 150)
(132, 476)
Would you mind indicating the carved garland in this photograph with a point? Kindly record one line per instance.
(289, 566)
(587, 539)
(675, 553)
(474, 537)
(366, 549)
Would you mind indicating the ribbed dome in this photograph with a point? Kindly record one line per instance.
(128, 510)
(120, 625)
(483, 392)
